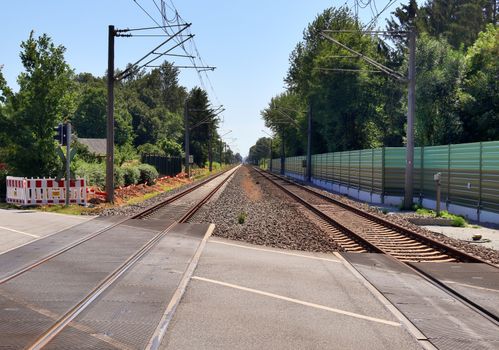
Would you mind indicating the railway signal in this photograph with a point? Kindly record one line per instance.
(63, 137)
(59, 133)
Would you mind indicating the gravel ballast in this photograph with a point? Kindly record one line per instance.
(252, 210)
(133, 209)
(484, 253)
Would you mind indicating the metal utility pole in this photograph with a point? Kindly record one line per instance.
(186, 127)
(210, 152)
(221, 146)
(132, 69)
(411, 80)
(283, 157)
(221, 151)
(270, 165)
(68, 161)
(409, 167)
(110, 118)
(309, 144)
(270, 151)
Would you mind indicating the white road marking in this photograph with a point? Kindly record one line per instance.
(160, 331)
(296, 301)
(275, 251)
(21, 232)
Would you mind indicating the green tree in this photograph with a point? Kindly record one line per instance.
(203, 123)
(479, 98)
(260, 150)
(155, 102)
(45, 97)
(5, 121)
(458, 21)
(352, 106)
(440, 70)
(287, 115)
(90, 116)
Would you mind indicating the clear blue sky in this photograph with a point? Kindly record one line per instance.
(249, 42)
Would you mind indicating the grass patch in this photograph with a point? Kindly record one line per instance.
(241, 218)
(457, 220)
(70, 210)
(59, 209)
(8, 206)
(137, 200)
(426, 212)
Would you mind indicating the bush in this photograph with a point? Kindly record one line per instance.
(148, 174)
(119, 177)
(124, 154)
(214, 165)
(458, 221)
(132, 175)
(94, 173)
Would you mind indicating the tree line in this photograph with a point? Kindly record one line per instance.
(353, 107)
(149, 112)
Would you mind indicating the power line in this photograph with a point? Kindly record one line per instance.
(375, 18)
(134, 68)
(369, 60)
(349, 70)
(194, 50)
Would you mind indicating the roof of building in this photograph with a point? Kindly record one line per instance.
(95, 146)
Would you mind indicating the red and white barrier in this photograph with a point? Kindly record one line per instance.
(24, 191)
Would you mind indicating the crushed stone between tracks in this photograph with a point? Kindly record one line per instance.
(269, 217)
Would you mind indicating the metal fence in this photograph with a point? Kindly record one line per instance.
(166, 166)
(469, 172)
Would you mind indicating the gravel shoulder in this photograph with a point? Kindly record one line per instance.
(252, 210)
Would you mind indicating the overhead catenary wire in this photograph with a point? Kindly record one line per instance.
(369, 60)
(145, 28)
(375, 18)
(349, 70)
(194, 49)
(126, 71)
(133, 69)
(192, 52)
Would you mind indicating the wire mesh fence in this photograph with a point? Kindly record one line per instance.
(166, 166)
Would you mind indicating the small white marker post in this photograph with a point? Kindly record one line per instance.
(436, 177)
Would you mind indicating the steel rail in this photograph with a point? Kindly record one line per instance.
(463, 256)
(425, 275)
(449, 290)
(451, 251)
(357, 238)
(70, 315)
(143, 213)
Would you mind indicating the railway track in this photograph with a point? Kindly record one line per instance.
(19, 297)
(359, 231)
(148, 212)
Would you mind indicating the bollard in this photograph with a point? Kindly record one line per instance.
(436, 177)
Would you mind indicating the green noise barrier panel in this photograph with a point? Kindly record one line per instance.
(469, 172)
